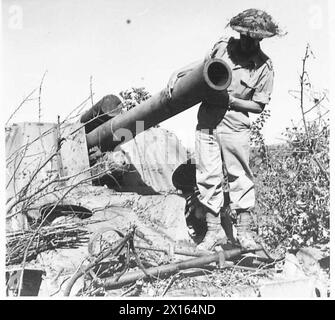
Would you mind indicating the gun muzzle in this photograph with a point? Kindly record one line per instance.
(206, 82)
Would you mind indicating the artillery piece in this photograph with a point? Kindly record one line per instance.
(39, 187)
(103, 126)
(207, 81)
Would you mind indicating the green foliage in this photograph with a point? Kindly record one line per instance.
(293, 188)
(256, 137)
(292, 180)
(133, 97)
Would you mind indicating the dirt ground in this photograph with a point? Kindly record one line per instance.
(161, 219)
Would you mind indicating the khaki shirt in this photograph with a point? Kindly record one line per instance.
(252, 79)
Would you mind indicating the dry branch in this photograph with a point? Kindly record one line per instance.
(68, 235)
(27, 98)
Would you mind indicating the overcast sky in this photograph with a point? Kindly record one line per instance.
(128, 43)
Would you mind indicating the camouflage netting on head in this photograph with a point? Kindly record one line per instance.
(256, 24)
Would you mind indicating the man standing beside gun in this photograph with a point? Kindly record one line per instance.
(222, 132)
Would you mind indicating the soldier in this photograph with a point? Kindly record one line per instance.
(222, 132)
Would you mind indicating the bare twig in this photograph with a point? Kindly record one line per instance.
(91, 91)
(17, 167)
(318, 103)
(25, 188)
(302, 87)
(38, 229)
(322, 169)
(27, 98)
(39, 97)
(172, 280)
(81, 105)
(30, 199)
(13, 155)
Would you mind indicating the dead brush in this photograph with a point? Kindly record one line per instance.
(69, 235)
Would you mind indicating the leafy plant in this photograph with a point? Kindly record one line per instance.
(256, 137)
(134, 96)
(292, 179)
(293, 192)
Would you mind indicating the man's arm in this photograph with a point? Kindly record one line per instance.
(245, 105)
(261, 96)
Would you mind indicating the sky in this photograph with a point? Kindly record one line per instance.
(128, 43)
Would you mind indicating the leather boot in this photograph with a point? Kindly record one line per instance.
(214, 235)
(244, 234)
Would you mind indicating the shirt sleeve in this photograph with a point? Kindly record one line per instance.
(218, 50)
(264, 87)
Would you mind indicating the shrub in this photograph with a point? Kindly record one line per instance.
(134, 96)
(293, 189)
(292, 179)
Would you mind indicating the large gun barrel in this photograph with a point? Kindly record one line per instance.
(102, 111)
(208, 81)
